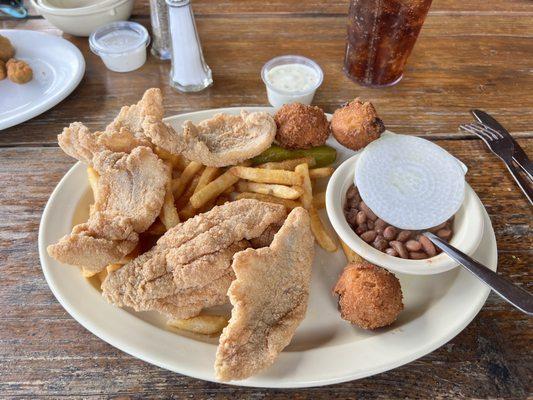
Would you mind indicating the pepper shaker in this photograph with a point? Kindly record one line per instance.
(189, 72)
(160, 29)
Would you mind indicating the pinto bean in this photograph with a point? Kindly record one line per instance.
(445, 233)
(380, 243)
(400, 248)
(361, 217)
(370, 224)
(368, 236)
(413, 245)
(361, 229)
(428, 247)
(391, 252)
(404, 236)
(417, 255)
(390, 233)
(351, 217)
(380, 225)
(369, 213)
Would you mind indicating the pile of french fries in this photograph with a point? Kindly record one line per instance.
(195, 188)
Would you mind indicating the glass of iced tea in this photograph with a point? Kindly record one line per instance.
(381, 35)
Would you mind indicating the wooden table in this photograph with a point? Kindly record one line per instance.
(471, 53)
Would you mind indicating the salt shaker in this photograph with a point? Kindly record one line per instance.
(189, 72)
(160, 29)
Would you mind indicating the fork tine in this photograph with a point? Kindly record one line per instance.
(493, 134)
(473, 129)
(493, 131)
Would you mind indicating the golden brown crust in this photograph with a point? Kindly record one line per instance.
(301, 126)
(369, 296)
(19, 71)
(190, 267)
(3, 71)
(356, 124)
(269, 297)
(7, 50)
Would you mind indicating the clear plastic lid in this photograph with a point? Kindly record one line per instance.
(292, 59)
(118, 38)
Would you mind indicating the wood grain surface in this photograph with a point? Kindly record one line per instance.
(471, 54)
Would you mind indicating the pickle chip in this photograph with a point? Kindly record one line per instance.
(323, 155)
(410, 182)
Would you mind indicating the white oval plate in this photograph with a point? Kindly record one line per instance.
(325, 349)
(58, 67)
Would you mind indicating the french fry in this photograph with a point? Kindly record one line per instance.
(213, 189)
(114, 267)
(207, 176)
(307, 196)
(102, 275)
(176, 161)
(281, 191)
(351, 255)
(289, 165)
(86, 273)
(322, 236)
(319, 200)
(321, 172)
(180, 184)
(184, 198)
(157, 228)
(169, 215)
(93, 176)
(289, 204)
(202, 324)
(187, 212)
(261, 175)
(222, 199)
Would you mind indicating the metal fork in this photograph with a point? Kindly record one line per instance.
(503, 147)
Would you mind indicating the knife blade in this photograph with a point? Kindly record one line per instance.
(519, 155)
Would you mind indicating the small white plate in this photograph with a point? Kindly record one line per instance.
(58, 67)
(325, 349)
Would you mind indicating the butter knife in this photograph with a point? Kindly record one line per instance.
(519, 155)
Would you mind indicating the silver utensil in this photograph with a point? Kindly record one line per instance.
(515, 295)
(519, 156)
(503, 147)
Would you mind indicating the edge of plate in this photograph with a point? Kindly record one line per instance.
(56, 98)
(251, 383)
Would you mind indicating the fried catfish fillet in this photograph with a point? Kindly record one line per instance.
(269, 298)
(190, 267)
(129, 197)
(220, 141)
(127, 131)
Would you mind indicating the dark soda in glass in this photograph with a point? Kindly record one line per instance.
(381, 35)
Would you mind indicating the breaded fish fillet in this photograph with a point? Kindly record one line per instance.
(269, 298)
(127, 131)
(190, 266)
(220, 141)
(129, 197)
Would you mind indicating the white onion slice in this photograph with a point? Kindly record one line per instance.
(410, 182)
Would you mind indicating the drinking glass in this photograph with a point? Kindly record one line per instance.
(381, 36)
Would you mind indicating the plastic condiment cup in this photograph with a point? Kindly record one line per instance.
(278, 97)
(121, 45)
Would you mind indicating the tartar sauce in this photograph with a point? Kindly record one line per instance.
(292, 77)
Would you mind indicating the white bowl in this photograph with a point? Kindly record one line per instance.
(82, 17)
(467, 226)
